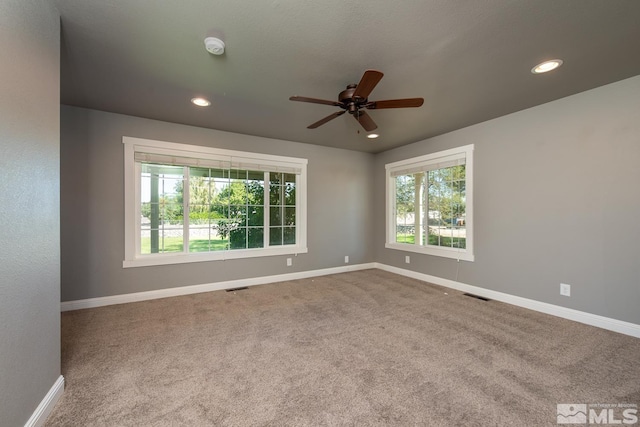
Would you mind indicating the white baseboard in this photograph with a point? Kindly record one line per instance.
(615, 325)
(45, 407)
(207, 287)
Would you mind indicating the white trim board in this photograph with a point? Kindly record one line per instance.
(47, 404)
(207, 287)
(614, 325)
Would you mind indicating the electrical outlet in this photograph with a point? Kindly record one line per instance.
(407, 259)
(289, 262)
(346, 259)
(565, 289)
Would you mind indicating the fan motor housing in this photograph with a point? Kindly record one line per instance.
(349, 103)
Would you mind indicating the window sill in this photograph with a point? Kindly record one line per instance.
(168, 259)
(435, 251)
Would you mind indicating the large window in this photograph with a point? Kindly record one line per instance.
(429, 204)
(188, 203)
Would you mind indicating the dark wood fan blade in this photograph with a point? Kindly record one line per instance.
(326, 119)
(369, 80)
(315, 100)
(395, 103)
(365, 120)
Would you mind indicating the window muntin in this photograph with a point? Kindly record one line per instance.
(205, 205)
(429, 204)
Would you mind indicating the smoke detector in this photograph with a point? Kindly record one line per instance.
(214, 45)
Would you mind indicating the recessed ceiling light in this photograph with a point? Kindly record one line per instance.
(201, 102)
(546, 66)
(372, 135)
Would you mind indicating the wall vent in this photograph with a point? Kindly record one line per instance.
(476, 297)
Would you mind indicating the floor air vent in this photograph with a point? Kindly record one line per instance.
(477, 297)
(237, 289)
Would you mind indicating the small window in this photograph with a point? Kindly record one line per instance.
(429, 204)
(188, 203)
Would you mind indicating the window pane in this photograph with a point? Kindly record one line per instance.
(145, 211)
(170, 212)
(255, 192)
(206, 239)
(219, 173)
(163, 240)
(459, 242)
(275, 194)
(405, 233)
(446, 201)
(199, 239)
(219, 212)
(255, 215)
(275, 236)
(275, 216)
(289, 216)
(201, 186)
(289, 235)
(236, 193)
(220, 191)
(238, 214)
(290, 194)
(222, 229)
(405, 209)
(237, 174)
(275, 178)
(238, 238)
(255, 238)
(255, 176)
(202, 215)
(199, 172)
(161, 190)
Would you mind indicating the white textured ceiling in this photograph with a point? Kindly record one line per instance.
(470, 60)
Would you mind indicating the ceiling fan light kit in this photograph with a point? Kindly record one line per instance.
(355, 99)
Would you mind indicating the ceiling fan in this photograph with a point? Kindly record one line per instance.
(354, 100)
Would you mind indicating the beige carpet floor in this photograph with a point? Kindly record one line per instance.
(360, 348)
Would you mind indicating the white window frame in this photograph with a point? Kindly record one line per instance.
(417, 163)
(132, 192)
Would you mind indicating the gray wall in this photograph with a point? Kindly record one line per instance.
(29, 206)
(556, 200)
(92, 206)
